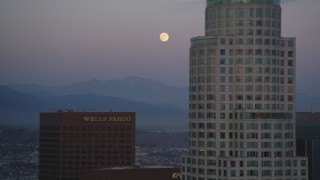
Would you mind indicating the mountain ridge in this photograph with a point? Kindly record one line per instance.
(23, 109)
(168, 108)
(138, 89)
(131, 88)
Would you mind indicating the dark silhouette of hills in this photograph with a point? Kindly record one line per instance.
(20, 109)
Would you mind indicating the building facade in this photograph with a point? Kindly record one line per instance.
(242, 96)
(71, 142)
(134, 173)
(311, 149)
(308, 141)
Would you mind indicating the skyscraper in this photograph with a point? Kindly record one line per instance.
(311, 148)
(242, 96)
(71, 142)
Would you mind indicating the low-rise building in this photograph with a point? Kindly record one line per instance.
(133, 173)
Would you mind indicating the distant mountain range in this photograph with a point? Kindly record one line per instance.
(157, 105)
(21, 109)
(131, 88)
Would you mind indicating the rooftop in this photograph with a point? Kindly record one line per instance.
(141, 167)
(211, 3)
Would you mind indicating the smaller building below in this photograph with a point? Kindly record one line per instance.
(133, 173)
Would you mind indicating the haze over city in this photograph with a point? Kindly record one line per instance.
(61, 42)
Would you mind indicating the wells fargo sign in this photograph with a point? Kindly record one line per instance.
(107, 119)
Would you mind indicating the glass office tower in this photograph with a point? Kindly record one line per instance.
(242, 96)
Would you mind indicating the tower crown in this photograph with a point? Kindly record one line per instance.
(211, 3)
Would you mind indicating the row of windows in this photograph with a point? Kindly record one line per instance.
(49, 134)
(248, 145)
(222, 41)
(72, 159)
(231, 135)
(96, 128)
(241, 173)
(241, 61)
(188, 177)
(238, 97)
(87, 152)
(243, 12)
(266, 154)
(251, 163)
(250, 80)
(242, 107)
(77, 158)
(49, 128)
(96, 135)
(225, 2)
(234, 106)
(239, 88)
(250, 52)
(242, 32)
(242, 23)
(248, 70)
(241, 126)
(248, 106)
(95, 143)
(246, 52)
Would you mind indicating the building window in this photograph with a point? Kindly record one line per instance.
(222, 52)
(266, 173)
(252, 144)
(252, 172)
(259, 23)
(265, 144)
(266, 154)
(277, 154)
(240, 12)
(278, 126)
(259, 12)
(265, 135)
(266, 163)
(252, 164)
(266, 126)
(278, 172)
(222, 41)
(277, 144)
(251, 154)
(252, 126)
(290, 43)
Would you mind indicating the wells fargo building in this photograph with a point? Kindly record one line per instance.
(71, 142)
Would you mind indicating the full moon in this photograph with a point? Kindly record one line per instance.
(164, 37)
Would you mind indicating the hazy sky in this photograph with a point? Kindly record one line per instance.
(66, 41)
